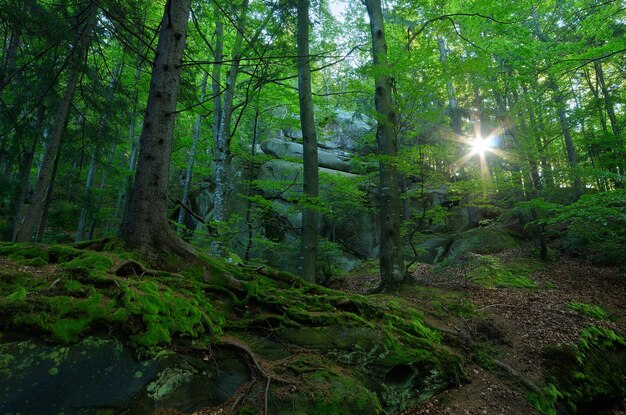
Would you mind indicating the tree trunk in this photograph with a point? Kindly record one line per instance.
(618, 148)
(563, 119)
(87, 202)
(8, 61)
(146, 228)
(46, 205)
(221, 150)
(255, 136)
(392, 270)
(35, 208)
(192, 152)
(132, 159)
(455, 115)
(307, 267)
(98, 204)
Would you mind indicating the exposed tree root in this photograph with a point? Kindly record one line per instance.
(517, 376)
(133, 268)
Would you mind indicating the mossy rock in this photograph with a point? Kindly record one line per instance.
(584, 377)
(487, 240)
(328, 391)
(490, 271)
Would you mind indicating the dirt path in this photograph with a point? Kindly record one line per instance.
(513, 326)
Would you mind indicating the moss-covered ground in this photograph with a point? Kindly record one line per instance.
(62, 294)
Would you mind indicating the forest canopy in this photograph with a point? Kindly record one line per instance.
(515, 108)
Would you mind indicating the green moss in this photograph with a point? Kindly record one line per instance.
(585, 375)
(484, 354)
(490, 271)
(546, 401)
(53, 254)
(74, 287)
(588, 310)
(368, 336)
(89, 261)
(18, 296)
(33, 262)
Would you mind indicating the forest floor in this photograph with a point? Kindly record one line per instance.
(510, 325)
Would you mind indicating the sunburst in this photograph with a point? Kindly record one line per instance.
(480, 146)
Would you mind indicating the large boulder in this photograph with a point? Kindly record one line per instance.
(487, 240)
(282, 178)
(433, 250)
(294, 151)
(345, 130)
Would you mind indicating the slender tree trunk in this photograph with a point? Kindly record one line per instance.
(87, 202)
(392, 270)
(538, 126)
(455, 115)
(18, 201)
(572, 158)
(597, 100)
(46, 205)
(619, 149)
(8, 61)
(255, 135)
(134, 147)
(216, 74)
(98, 204)
(35, 208)
(192, 151)
(563, 119)
(221, 149)
(307, 267)
(608, 102)
(146, 228)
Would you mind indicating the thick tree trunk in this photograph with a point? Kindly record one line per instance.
(35, 208)
(392, 270)
(146, 228)
(307, 267)
(221, 150)
(192, 152)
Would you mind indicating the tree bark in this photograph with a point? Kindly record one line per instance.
(455, 115)
(87, 202)
(192, 151)
(392, 269)
(563, 119)
(33, 213)
(134, 147)
(146, 228)
(307, 267)
(222, 150)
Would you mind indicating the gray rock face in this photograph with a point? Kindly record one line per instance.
(294, 151)
(40, 379)
(286, 178)
(433, 250)
(97, 374)
(345, 130)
